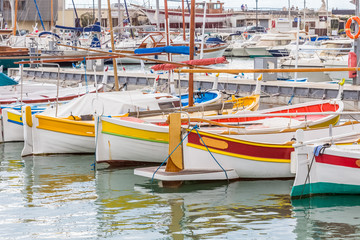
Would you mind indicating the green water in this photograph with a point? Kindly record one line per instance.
(61, 197)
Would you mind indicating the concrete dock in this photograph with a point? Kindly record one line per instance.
(273, 92)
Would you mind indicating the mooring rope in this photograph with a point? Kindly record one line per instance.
(195, 127)
(96, 141)
(318, 150)
(182, 140)
(227, 178)
(86, 82)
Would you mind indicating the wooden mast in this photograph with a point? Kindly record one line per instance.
(15, 18)
(191, 57)
(183, 18)
(166, 23)
(113, 48)
(52, 14)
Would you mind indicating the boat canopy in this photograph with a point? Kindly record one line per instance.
(168, 49)
(6, 80)
(92, 28)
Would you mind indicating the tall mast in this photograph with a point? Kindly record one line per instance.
(166, 23)
(99, 11)
(15, 17)
(183, 18)
(157, 14)
(113, 48)
(120, 19)
(191, 57)
(304, 15)
(256, 13)
(52, 14)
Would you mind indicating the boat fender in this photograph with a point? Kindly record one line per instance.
(352, 62)
(319, 150)
(348, 29)
(28, 116)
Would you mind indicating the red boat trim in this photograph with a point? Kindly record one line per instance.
(338, 161)
(325, 107)
(239, 148)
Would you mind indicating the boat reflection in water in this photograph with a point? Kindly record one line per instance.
(210, 209)
(61, 197)
(327, 217)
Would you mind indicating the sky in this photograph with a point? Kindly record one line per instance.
(315, 4)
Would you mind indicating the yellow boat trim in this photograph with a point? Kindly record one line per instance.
(28, 116)
(244, 142)
(239, 155)
(327, 123)
(145, 135)
(15, 118)
(63, 125)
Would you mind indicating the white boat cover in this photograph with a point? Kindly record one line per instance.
(111, 103)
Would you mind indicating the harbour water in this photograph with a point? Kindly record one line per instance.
(63, 197)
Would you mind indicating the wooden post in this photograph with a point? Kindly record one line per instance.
(113, 48)
(191, 57)
(175, 161)
(15, 18)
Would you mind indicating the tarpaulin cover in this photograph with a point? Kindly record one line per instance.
(111, 103)
(6, 80)
(196, 62)
(168, 49)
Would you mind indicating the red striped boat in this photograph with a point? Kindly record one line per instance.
(324, 169)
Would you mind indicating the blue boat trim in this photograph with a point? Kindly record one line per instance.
(18, 123)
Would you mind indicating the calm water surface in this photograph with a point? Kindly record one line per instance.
(62, 197)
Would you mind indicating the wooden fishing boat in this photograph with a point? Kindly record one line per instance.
(33, 92)
(10, 105)
(140, 134)
(213, 156)
(7, 51)
(323, 168)
(125, 140)
(12, 129)
(73, 127)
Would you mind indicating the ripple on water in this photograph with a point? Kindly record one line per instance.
(60, 197)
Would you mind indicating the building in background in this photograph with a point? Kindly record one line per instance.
(27, 15)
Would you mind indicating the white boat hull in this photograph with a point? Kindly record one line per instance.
(336, 170)
(239, 52)
(12, 126)
(257, 52)
(120, 146)
(52, 142)
(196, 159)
